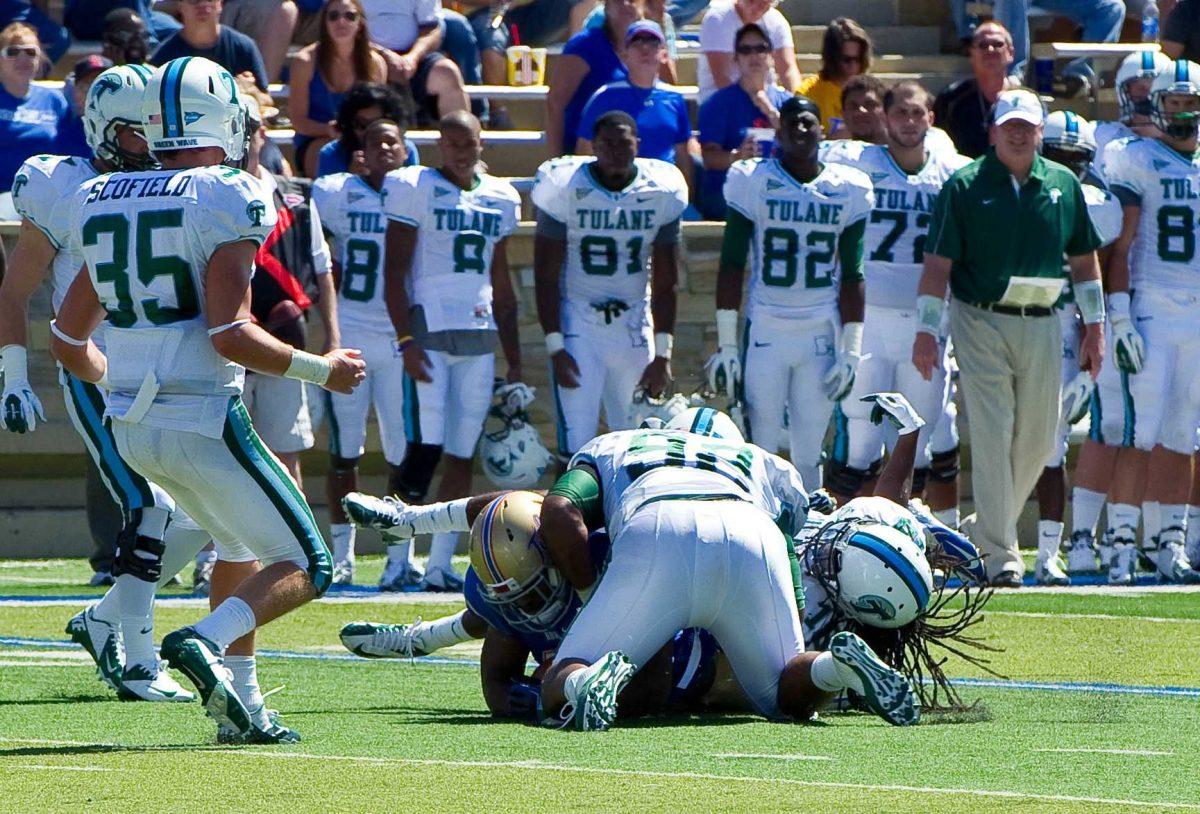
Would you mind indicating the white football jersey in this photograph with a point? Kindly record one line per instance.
(1168, 187)
(1104, 210)
(609, 234)
(457, 233)
(43, 192)
(937, 140)
(352, 215)
(795, 272)
(896, 227)
(1105, 133)
(637, 467)
(147, 238)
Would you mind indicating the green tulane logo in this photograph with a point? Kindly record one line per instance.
(256, 211)
(872, 605)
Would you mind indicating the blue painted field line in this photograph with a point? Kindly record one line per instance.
(985, 683)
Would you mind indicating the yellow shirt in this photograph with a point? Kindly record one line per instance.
(828, 97)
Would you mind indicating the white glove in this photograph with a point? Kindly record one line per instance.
(1077, 397)
(896, 409)
(1128, 346)
(840, 377)
(21, 407)
(723, 370)
(514, 398)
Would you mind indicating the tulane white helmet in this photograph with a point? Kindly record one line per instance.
(1181, 78)
(115, 99)
(648, 411)
(883, 579)
(706, 421)
(1070, 140)
(514, 457)
(193, 102)
(1138, 65)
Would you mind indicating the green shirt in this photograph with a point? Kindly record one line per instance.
(992, 233)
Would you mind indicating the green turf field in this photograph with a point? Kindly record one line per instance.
(396, 736)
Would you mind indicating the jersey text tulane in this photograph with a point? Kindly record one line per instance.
(355, 224)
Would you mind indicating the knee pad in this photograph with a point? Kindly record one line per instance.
(138, 555)
(920, 475)
(342, 466)
(411, 479)
(842, 479)
(943, 466)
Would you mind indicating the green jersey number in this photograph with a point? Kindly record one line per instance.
(600, 255)
(884, 252)
(1176, 234)
(469, 251)
(652, 450)
(360, 276)
(781, 253)
(121, 314)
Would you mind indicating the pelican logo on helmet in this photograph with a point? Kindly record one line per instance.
(873, 605)
(105, 84)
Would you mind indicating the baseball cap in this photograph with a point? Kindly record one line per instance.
(645, 27)
(1019, 105)
(795, 105)
(90, 65)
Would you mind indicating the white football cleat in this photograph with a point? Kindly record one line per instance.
(1172, 563)
(439, 580)
(102, 641)
(149, 682)
(368, 511)
(1124, 563)
(1081, 553)
(594, 705)
(887, 692)
(343, 573)
(1048, 570)
(400, 575)
(376, 641)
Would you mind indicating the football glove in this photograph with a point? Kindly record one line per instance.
(1077, 397)
(1128, 345)
(20, 405)
(840, 377)
(514, 398)
(895, 409)
(723, 371)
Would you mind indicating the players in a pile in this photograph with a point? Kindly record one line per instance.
(168, 257)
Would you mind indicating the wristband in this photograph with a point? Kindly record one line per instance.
(663, 344)
(14, 362)
(102, 382)
(434, 518)
(228, 326)
(403, 342)
(54, 329)
(1089, 296)
(1118, 306)
(929, 314)
(308, 367)
(554, 342)
(850, 342)
(727, 327)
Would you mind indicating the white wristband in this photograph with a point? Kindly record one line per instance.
(727, 327)
(851, 339)
(308, 367)
(438, 517)
(1118, 306)
(1089, 296)
(929, 314)
(554, 343)
(70, 340)
(663, 344)
(14, 360)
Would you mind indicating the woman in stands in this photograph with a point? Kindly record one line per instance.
(323, 72)
(845, 52)
(30, 115)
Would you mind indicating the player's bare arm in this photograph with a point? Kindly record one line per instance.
(548, 256)
(1085, 270)
(724, 370)
(401, 246)
(664, 288)
(27, 268)
(506, 690)
(565, 525)
(934, 281)
(327, 310)
(78, 316)
(1128, 347)
(504, 311)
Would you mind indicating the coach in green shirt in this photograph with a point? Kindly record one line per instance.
(999, 231)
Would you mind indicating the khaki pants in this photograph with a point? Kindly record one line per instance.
(1010, 380)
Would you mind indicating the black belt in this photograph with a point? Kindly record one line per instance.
(1014, 310)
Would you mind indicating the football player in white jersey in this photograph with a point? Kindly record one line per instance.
(1158, 183)
(1134, 75)
(352, 213)
(168, 256)
(606, 263)
(451, 299)
(907, 177)
(801, 223)
(1069, 140)
(43, 191)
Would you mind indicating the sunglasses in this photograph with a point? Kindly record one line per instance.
(747, 50)
(645, 39)
(846, 59)
(348, 16)
(14, 51)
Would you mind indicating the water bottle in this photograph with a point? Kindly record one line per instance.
(1150, 21)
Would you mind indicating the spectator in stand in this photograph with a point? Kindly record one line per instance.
(1101, 21)
(88, 19)
(71, 138)
(31, 116)
(364, 103)
(845, 53)
(203, 35)
(654, 10)
(1181, 33)
(54, 38)
(491, 40)
(589, 61)
(125, 39)
(717, 30)
(409, 32)
(547, 22)
(270, 23)
(961, 109)
(727, 116)
(323, 72)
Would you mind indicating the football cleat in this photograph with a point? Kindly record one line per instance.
(594, 706)
(377, 641)
(149, 682)
(1124, 563)
(400, 576)
(1048, 570)
(370, 512)
(441, 581)
(1081, 553)
(102, 641)
(202, 577)
(1172, 565)
(343, 573)
(1192, 549)
(886, 691)
(274, 732)
(196, 657)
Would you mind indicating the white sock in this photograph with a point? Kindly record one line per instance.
(245, 683)
(1085, 509)
(828, 677)
(1193, 526)
(1151, 524)
(137, 619)
(343, 541)
(571, 683)
(108, 609)
(1049, 538)
(1123, 516)
(441, 548)
(232, 620)
(398, 552)
(1173, 516)
(442, 632)
(948, 517)
(206, 555)
(154, 522)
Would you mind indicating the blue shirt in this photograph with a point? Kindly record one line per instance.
(71, 138)
(724, 119)
(604, 66)
(660, 112)
(331, 160)
(28, 127)
(233, 51)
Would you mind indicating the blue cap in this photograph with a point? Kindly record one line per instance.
(645, 27)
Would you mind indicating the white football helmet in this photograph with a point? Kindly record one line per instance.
(1181, 78)
(1071, 140)
(706, 421)
(1138, 65)
(193, 102)
(657, 411)
(115, 98)
(883, 579)
(514, 457)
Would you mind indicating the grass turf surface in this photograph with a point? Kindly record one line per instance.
(387, 736)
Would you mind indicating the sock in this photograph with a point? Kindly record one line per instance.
(343, 542)
(1049, 538)
(948, 517)
(137, 619)
(232, 620)
(1193, 526)
(1173, 516)
(398, 552)
(108, 609)
(1151, 524)
(571, 683)
(245, 684)
(441, 548)
(1085, 509)
(1123, 516)
(828, 677)
(442, 632)
(154, 522)
(206, 555)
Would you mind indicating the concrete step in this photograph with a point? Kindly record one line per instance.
(865, 12)
(891, 39)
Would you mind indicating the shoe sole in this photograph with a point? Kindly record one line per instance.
(126, 694)
(217, 695)
(879, 681)
(598, 708)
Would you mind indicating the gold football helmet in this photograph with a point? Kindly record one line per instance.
(514, 570)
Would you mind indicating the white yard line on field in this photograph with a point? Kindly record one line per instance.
(20, 766)
(416, 598)
(1098, 616)
(1123, 752)
(739, 756)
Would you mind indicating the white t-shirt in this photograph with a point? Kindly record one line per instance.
(395, 24)
(717, 30)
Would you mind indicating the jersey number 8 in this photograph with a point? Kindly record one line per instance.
(781, 248)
